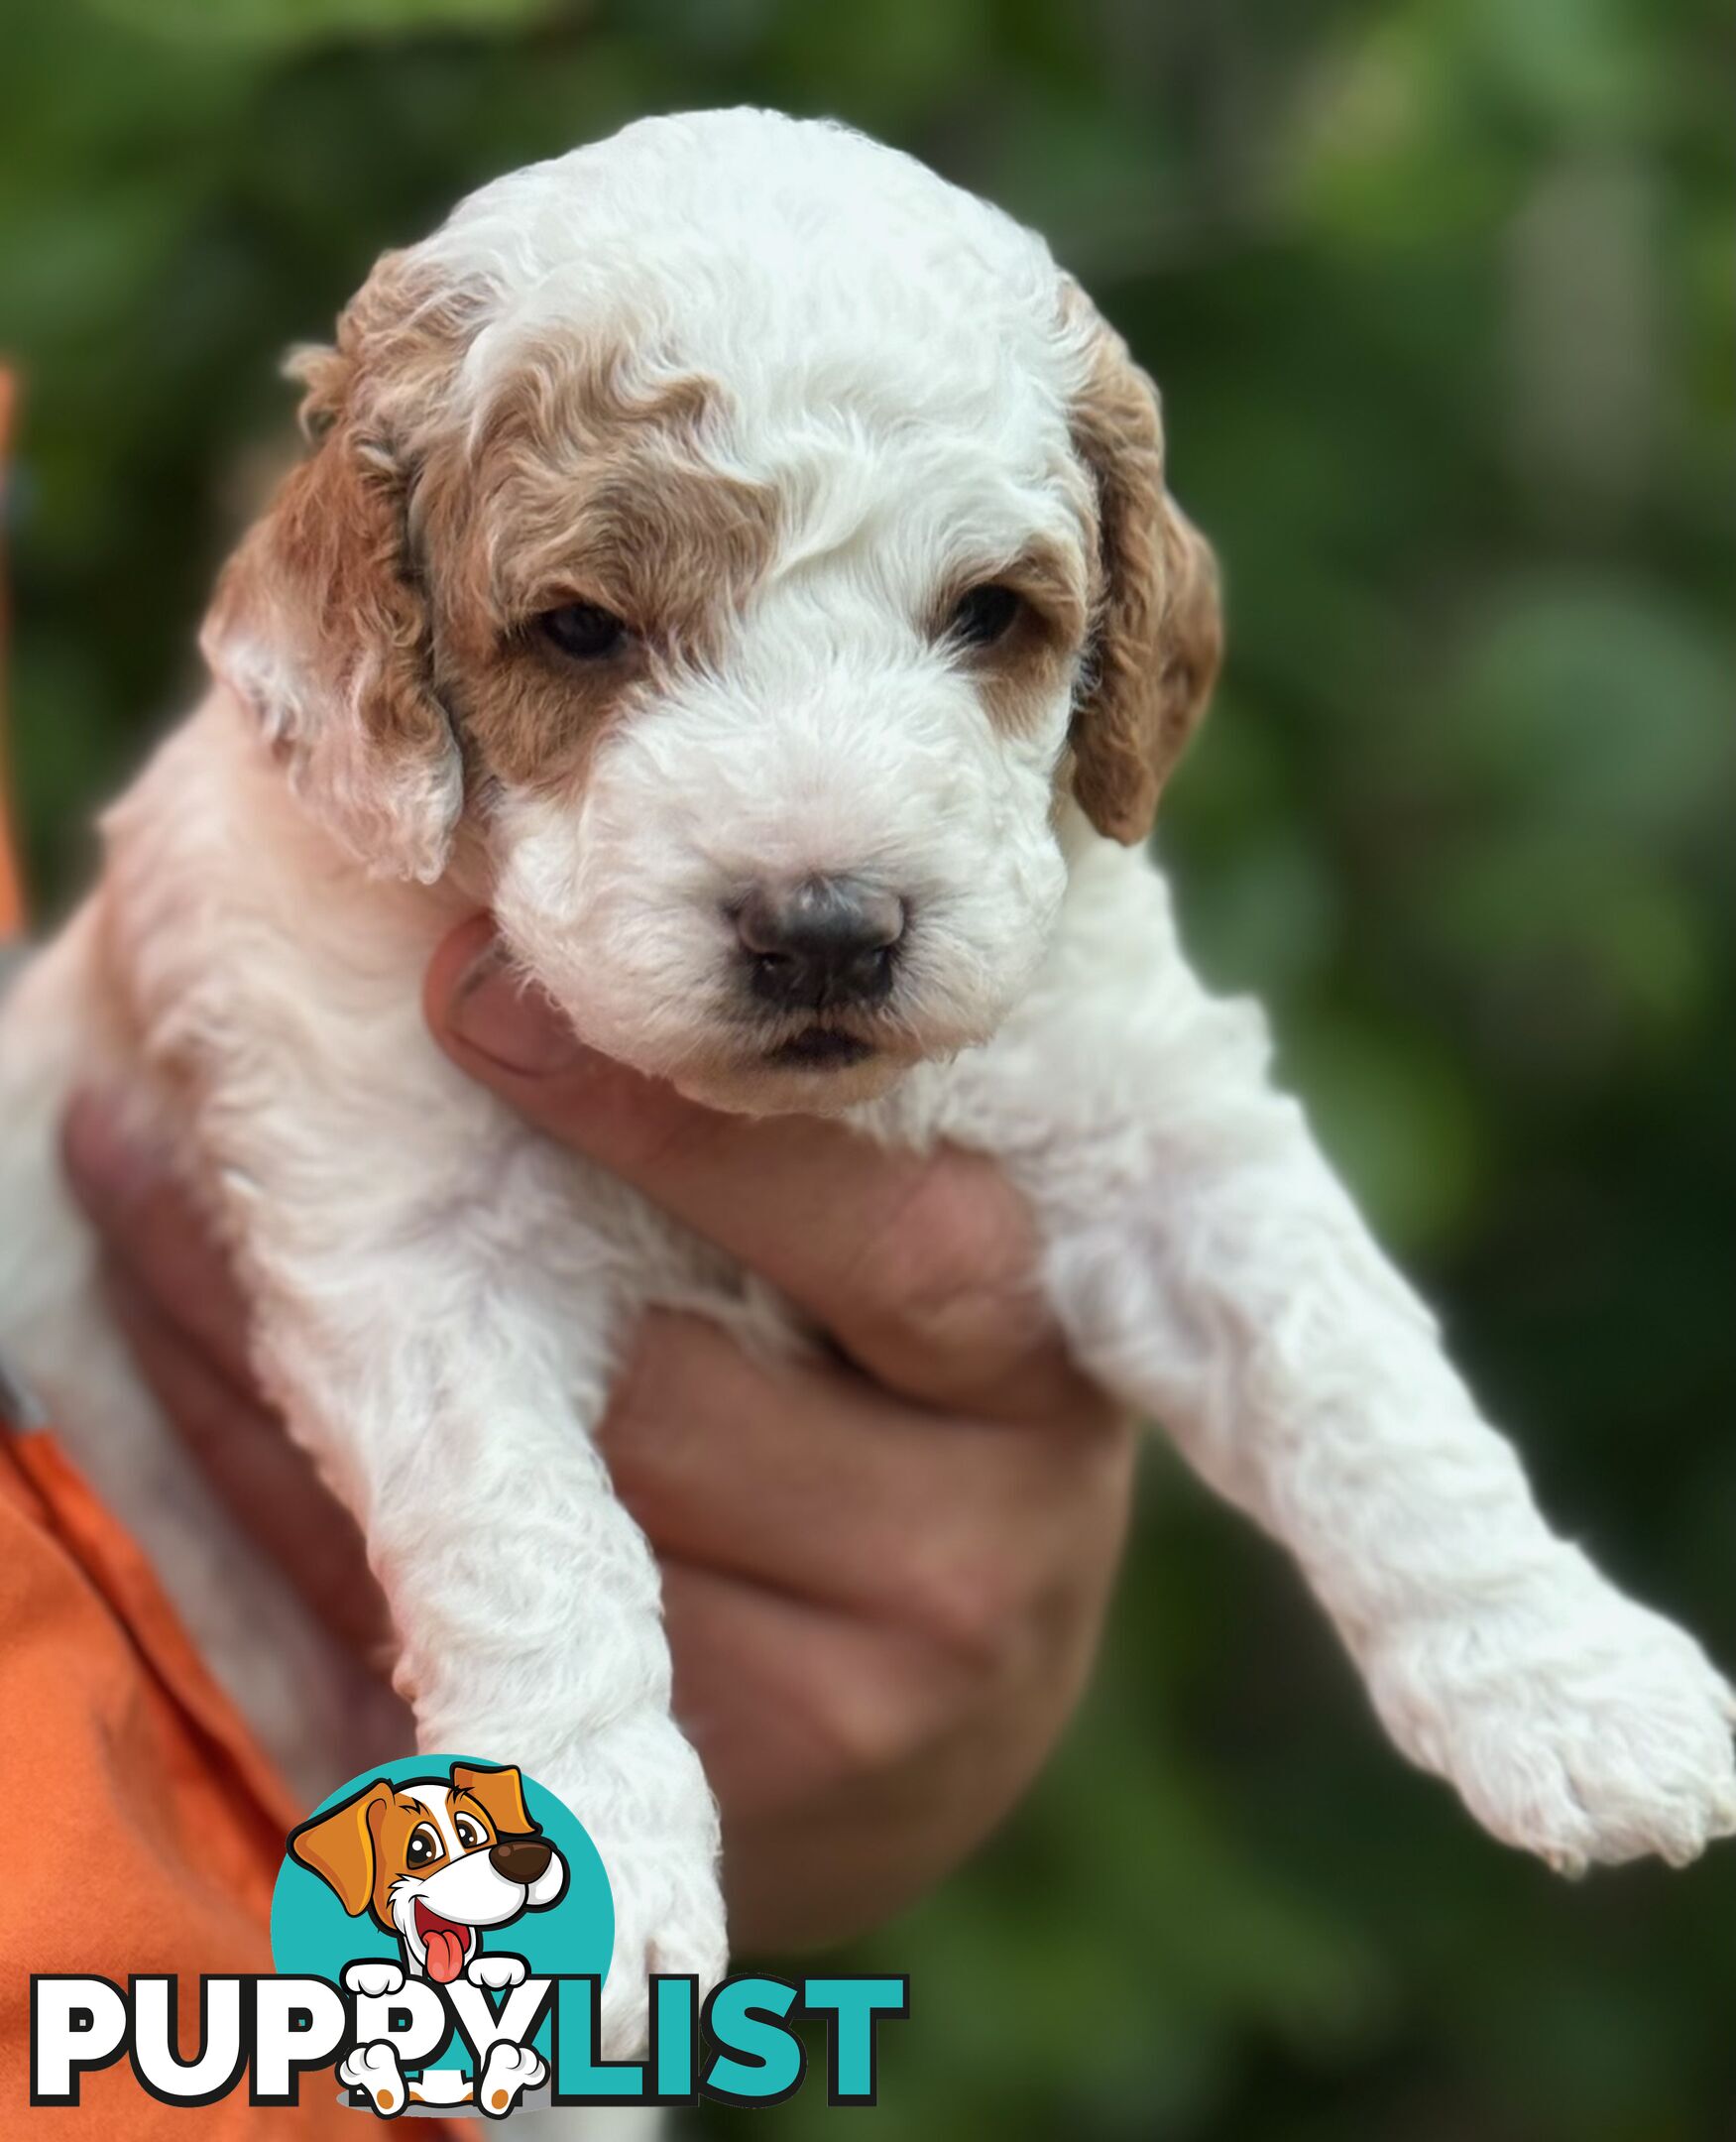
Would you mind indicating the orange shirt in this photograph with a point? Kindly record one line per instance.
(142, 1830)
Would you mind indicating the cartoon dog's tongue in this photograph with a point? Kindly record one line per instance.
(446, 1945)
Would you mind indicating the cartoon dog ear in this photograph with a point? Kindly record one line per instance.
(500, 1794)
(339, 1846)
(1159, 636)
(319, 625)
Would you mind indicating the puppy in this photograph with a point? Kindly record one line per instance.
(744, 563)
(436, 1861)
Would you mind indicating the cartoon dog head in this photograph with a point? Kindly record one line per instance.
(434, 1860)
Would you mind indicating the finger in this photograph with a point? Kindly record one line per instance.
(807, 1479)
(853, 1768)
(924, 1269)
(269, 1485)
(151, 1228)
(783, 1697)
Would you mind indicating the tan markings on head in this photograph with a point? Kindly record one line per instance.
(499, 1794)
(318, 623)
(584, 486)
(389, 593)
(1159, 629)
(342, 1846)
(1019, 675)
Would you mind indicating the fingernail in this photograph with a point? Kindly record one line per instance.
(512, 1023)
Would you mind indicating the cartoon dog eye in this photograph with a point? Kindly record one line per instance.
(424, 1846)
(470, 1832)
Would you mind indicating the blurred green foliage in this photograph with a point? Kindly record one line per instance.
(1439, 293)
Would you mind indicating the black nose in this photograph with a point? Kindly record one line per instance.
(521, 1859)
(826, 941)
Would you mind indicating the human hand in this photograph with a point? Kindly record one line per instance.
(885, 1573)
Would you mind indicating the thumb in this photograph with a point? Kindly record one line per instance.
(506, 1032)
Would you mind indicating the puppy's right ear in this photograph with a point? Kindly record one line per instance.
(500, 1792)
(339, 1846)
(321, 628)
(1159, 634)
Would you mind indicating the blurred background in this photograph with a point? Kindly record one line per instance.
(1439, 295)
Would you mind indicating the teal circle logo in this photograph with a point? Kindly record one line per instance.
(432, 1860)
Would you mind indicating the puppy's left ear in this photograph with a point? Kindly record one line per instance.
(500, 1794)
(319, 626)
(338, 1846)
(1159, 637)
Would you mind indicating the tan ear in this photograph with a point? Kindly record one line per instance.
(339, 1846)
(1159, 634)
(500, 1794)
(319, 626)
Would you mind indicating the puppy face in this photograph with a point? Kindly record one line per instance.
(728, 545)
(436, 1861)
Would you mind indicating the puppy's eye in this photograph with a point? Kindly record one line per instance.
(984, 615)
(583, 630)
(469, 1834)
(423, 1847)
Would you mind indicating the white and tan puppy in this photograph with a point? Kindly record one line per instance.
(744, 563)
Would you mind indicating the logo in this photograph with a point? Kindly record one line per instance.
(431, 1887)
(441, 1930)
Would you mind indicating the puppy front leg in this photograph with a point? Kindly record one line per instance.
(1223, 1282)
(453, 1413)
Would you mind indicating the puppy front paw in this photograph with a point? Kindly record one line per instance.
(668, 1920)
(643, 1795)
(496, 1971)
(1591, 1732)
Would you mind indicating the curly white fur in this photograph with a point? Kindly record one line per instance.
(442, 1298)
